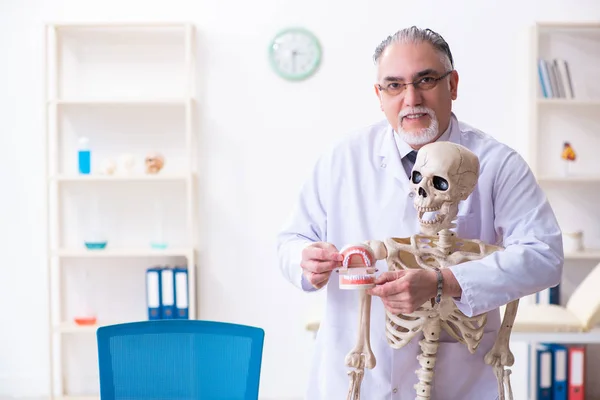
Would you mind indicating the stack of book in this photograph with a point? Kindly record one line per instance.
(555, 79)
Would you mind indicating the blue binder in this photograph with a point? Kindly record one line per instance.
(153, 295)
(544, 376)
(548, 296)
(559, 371)
(181, 293)
(167, 291)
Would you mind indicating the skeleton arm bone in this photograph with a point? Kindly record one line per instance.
(379, 249)
(500, 353)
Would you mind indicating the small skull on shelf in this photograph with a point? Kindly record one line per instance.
(108, 166)
(154, 163)
(127, 162)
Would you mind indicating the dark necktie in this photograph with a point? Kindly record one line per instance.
(412, 156)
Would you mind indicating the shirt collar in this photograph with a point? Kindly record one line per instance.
(404, 148)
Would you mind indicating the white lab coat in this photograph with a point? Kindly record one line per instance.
(358, 191)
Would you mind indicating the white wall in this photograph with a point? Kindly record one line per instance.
(259, 137)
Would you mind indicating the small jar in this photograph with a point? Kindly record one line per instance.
(572, 241)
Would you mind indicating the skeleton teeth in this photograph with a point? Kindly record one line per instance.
(430, 216)
(366, 257)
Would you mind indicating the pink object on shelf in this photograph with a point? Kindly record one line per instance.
(85, 320)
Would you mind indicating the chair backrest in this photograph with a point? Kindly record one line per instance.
(179, 359)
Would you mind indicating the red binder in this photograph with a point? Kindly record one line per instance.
(577, 373)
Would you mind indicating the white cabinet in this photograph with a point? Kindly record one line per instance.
(558, 117)
(128, 89)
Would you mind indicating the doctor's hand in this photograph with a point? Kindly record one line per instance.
(402, 292)
(318, 260)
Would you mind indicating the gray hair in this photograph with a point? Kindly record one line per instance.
(417, 35)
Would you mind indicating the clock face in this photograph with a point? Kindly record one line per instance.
(295, 54)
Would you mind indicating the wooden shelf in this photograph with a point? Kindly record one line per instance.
(588, 254)
(122, 178)
(549, 337)
(575, 26)
(569, 102)
(122, 252)
(122, 102)
(71, 327)
(569, 179)
(592, 337)
(120, 25)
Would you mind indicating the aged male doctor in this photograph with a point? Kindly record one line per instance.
(360, 190)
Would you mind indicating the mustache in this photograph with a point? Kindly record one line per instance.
(416, 110)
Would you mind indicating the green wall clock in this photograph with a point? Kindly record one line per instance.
(295, 54)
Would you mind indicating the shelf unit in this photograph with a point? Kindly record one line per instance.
(542, 337)
(129, 87)
(572, 191)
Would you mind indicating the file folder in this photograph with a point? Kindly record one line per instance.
(548, 296)
(576, 378)
(153, 295)
(181, 293)
(167, 293)
(544, 373)
(560, 365)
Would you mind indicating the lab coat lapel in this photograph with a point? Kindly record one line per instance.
(390, 161)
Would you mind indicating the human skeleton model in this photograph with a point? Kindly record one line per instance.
(444, 174)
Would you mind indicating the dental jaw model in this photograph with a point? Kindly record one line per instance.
(444, 174)
(358, 273)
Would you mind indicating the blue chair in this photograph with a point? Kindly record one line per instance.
(179, 360)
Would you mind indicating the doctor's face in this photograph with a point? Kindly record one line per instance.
(419, 112)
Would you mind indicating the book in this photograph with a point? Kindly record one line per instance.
(580, 314)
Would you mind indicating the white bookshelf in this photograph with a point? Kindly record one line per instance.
(573, 192)
(123, 252)
(129, 88)
(592, 337)
(122, 178)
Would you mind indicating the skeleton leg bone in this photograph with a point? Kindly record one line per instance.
(507, 373)
(355, 381)
(361, 356)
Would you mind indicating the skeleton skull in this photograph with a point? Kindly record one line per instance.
(154, 163)
(444, 174)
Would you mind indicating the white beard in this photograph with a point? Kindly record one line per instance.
(425, 135)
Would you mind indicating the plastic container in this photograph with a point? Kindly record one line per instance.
(85, 313)
(158, 241)
(84, 156)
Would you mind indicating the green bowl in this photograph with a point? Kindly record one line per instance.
(95, 245)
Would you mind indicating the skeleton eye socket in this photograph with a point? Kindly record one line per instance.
(440, 183)
(416, 177)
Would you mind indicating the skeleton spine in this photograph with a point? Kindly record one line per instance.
(429, 345)
(446, 241)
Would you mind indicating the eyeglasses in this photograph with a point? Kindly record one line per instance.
(423, 83)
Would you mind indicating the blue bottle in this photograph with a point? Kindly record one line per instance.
(84, 156)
